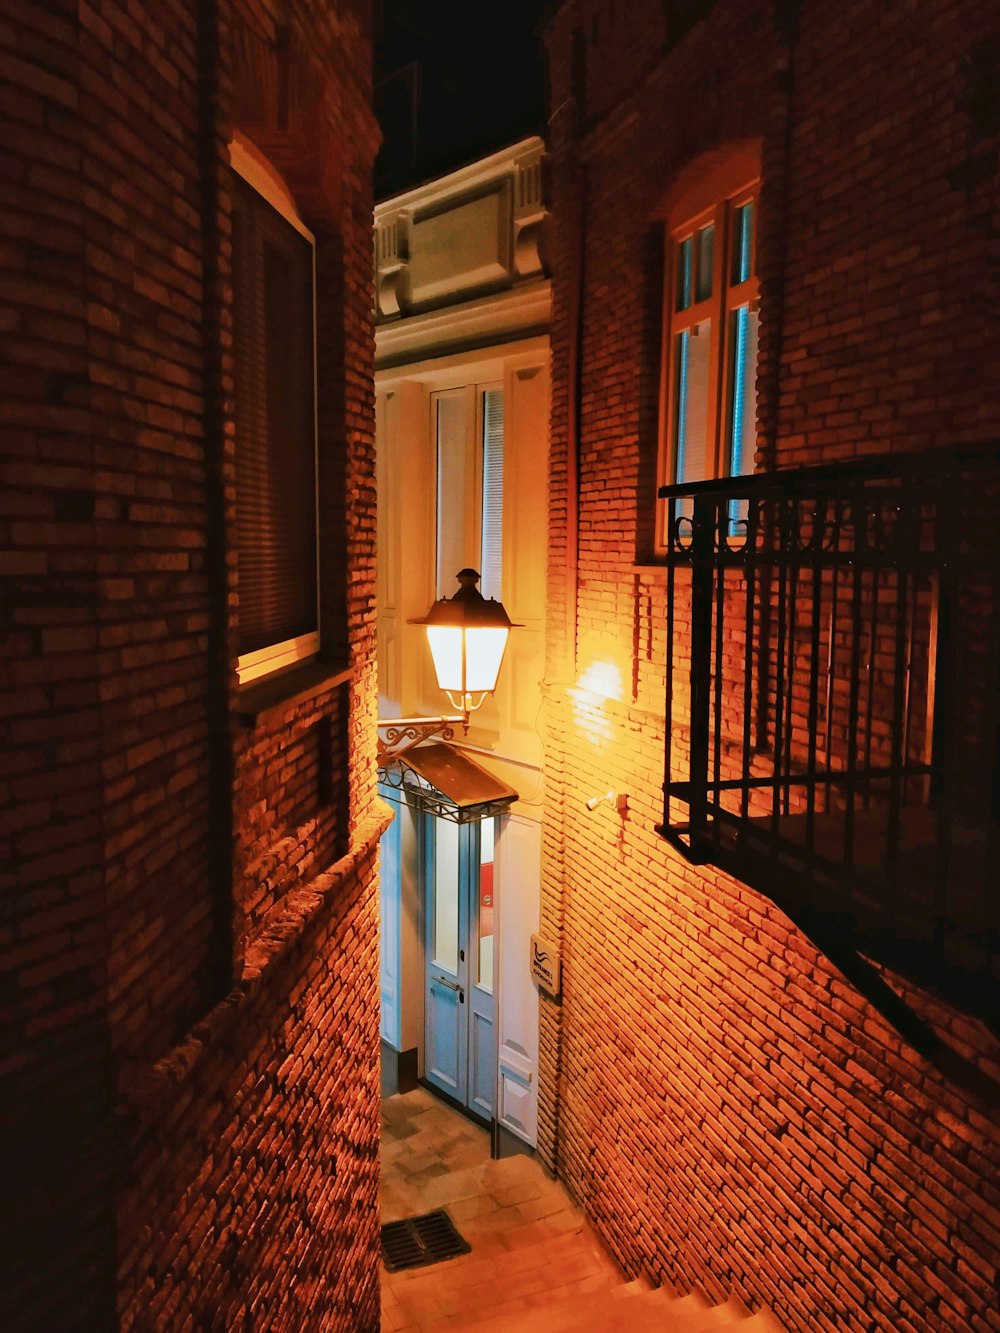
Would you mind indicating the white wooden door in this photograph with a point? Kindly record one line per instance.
(518, 873)
(445, 1011)
(460, 1034)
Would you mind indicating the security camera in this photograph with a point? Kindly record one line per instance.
(615, 799)
(606, 797)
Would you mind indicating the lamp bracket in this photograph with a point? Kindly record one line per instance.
(397, 735)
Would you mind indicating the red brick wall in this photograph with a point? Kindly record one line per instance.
(252, 1196)
(189, 950)
(732, 1113)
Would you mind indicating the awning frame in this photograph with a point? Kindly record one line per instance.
(403, 783)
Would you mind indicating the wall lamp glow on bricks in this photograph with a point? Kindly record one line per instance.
(617, 800)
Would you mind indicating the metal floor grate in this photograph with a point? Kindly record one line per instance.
(417, 1241)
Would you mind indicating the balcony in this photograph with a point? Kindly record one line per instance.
(832, 703)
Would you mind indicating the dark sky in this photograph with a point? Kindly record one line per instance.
(474, 73)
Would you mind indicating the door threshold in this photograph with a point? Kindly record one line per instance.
(458, 1106)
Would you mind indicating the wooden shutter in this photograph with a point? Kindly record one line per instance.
(491, 561)
(273, 337)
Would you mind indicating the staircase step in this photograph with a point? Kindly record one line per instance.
(631, 1307)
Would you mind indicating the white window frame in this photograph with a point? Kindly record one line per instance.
(724, 298)
(258, 173)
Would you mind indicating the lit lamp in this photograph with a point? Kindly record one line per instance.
(467, 635)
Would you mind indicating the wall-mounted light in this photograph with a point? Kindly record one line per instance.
(617, 800)
(467, 635)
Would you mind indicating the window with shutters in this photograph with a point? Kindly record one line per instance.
(468, 425)
(708, 378)
(275, 418)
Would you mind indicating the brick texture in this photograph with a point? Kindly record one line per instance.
(730, 1111)
(188, 947)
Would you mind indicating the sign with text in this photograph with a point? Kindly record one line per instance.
(546, 965)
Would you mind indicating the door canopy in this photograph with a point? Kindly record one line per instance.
(444, 782)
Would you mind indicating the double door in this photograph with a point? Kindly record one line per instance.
(460, 1057)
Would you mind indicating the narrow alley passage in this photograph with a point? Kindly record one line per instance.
(534, 1266)
(530, 1246)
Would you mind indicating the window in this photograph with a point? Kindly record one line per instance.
(468, 432)
(708, 394)
(275, 412)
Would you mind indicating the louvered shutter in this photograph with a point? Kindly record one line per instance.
(491, 560)
(275, 425)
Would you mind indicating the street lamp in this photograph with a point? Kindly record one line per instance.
(467, 636)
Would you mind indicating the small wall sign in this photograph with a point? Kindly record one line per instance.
(546, 964)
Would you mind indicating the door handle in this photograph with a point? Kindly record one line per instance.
(452, 985)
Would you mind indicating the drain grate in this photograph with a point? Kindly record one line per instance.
(417, 1241)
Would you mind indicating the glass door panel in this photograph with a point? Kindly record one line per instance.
(445, 950)
(484, 925)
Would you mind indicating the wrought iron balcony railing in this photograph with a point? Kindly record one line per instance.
(832, 699)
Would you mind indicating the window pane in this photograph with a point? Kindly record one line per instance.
(693, 461)
(706, 241)
(492, 544)
(742, 243)
(742, 408)
(484, 950)
(684, 256)
(445, 836)
(452, 488)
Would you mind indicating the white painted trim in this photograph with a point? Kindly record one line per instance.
(456, 369)
(252, 666)
(489, 318)
(481, 171)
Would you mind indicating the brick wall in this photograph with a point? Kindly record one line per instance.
(188, 953)
(732, 1113)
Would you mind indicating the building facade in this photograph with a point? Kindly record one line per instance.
(771, 240)
(462, 398)
(190, 819)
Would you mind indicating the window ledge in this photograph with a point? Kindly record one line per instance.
(264, 700)
(146, 1091)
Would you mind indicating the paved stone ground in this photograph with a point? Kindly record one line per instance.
(530, 1246)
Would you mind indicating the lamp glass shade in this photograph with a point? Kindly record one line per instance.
(467, 635)
(446, 650)
(484, 649)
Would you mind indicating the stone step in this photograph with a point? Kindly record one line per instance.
(632, 1307)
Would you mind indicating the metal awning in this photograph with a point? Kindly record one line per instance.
(443, 781)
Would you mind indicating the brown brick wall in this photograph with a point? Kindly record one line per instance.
(252, 1196)
(188, 947)
(732, 1113)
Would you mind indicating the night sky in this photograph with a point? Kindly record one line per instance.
(475, 74)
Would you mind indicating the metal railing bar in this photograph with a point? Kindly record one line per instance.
(722, 521)
(831, 666)
(812, 720)
(779, 680)
(854, 688)
(671, 642)
(944, 754)
(873, 626)
(793, 594)
(896, 731)
(836, 777)
(892, 467)
(702, 539)
(750, 574)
